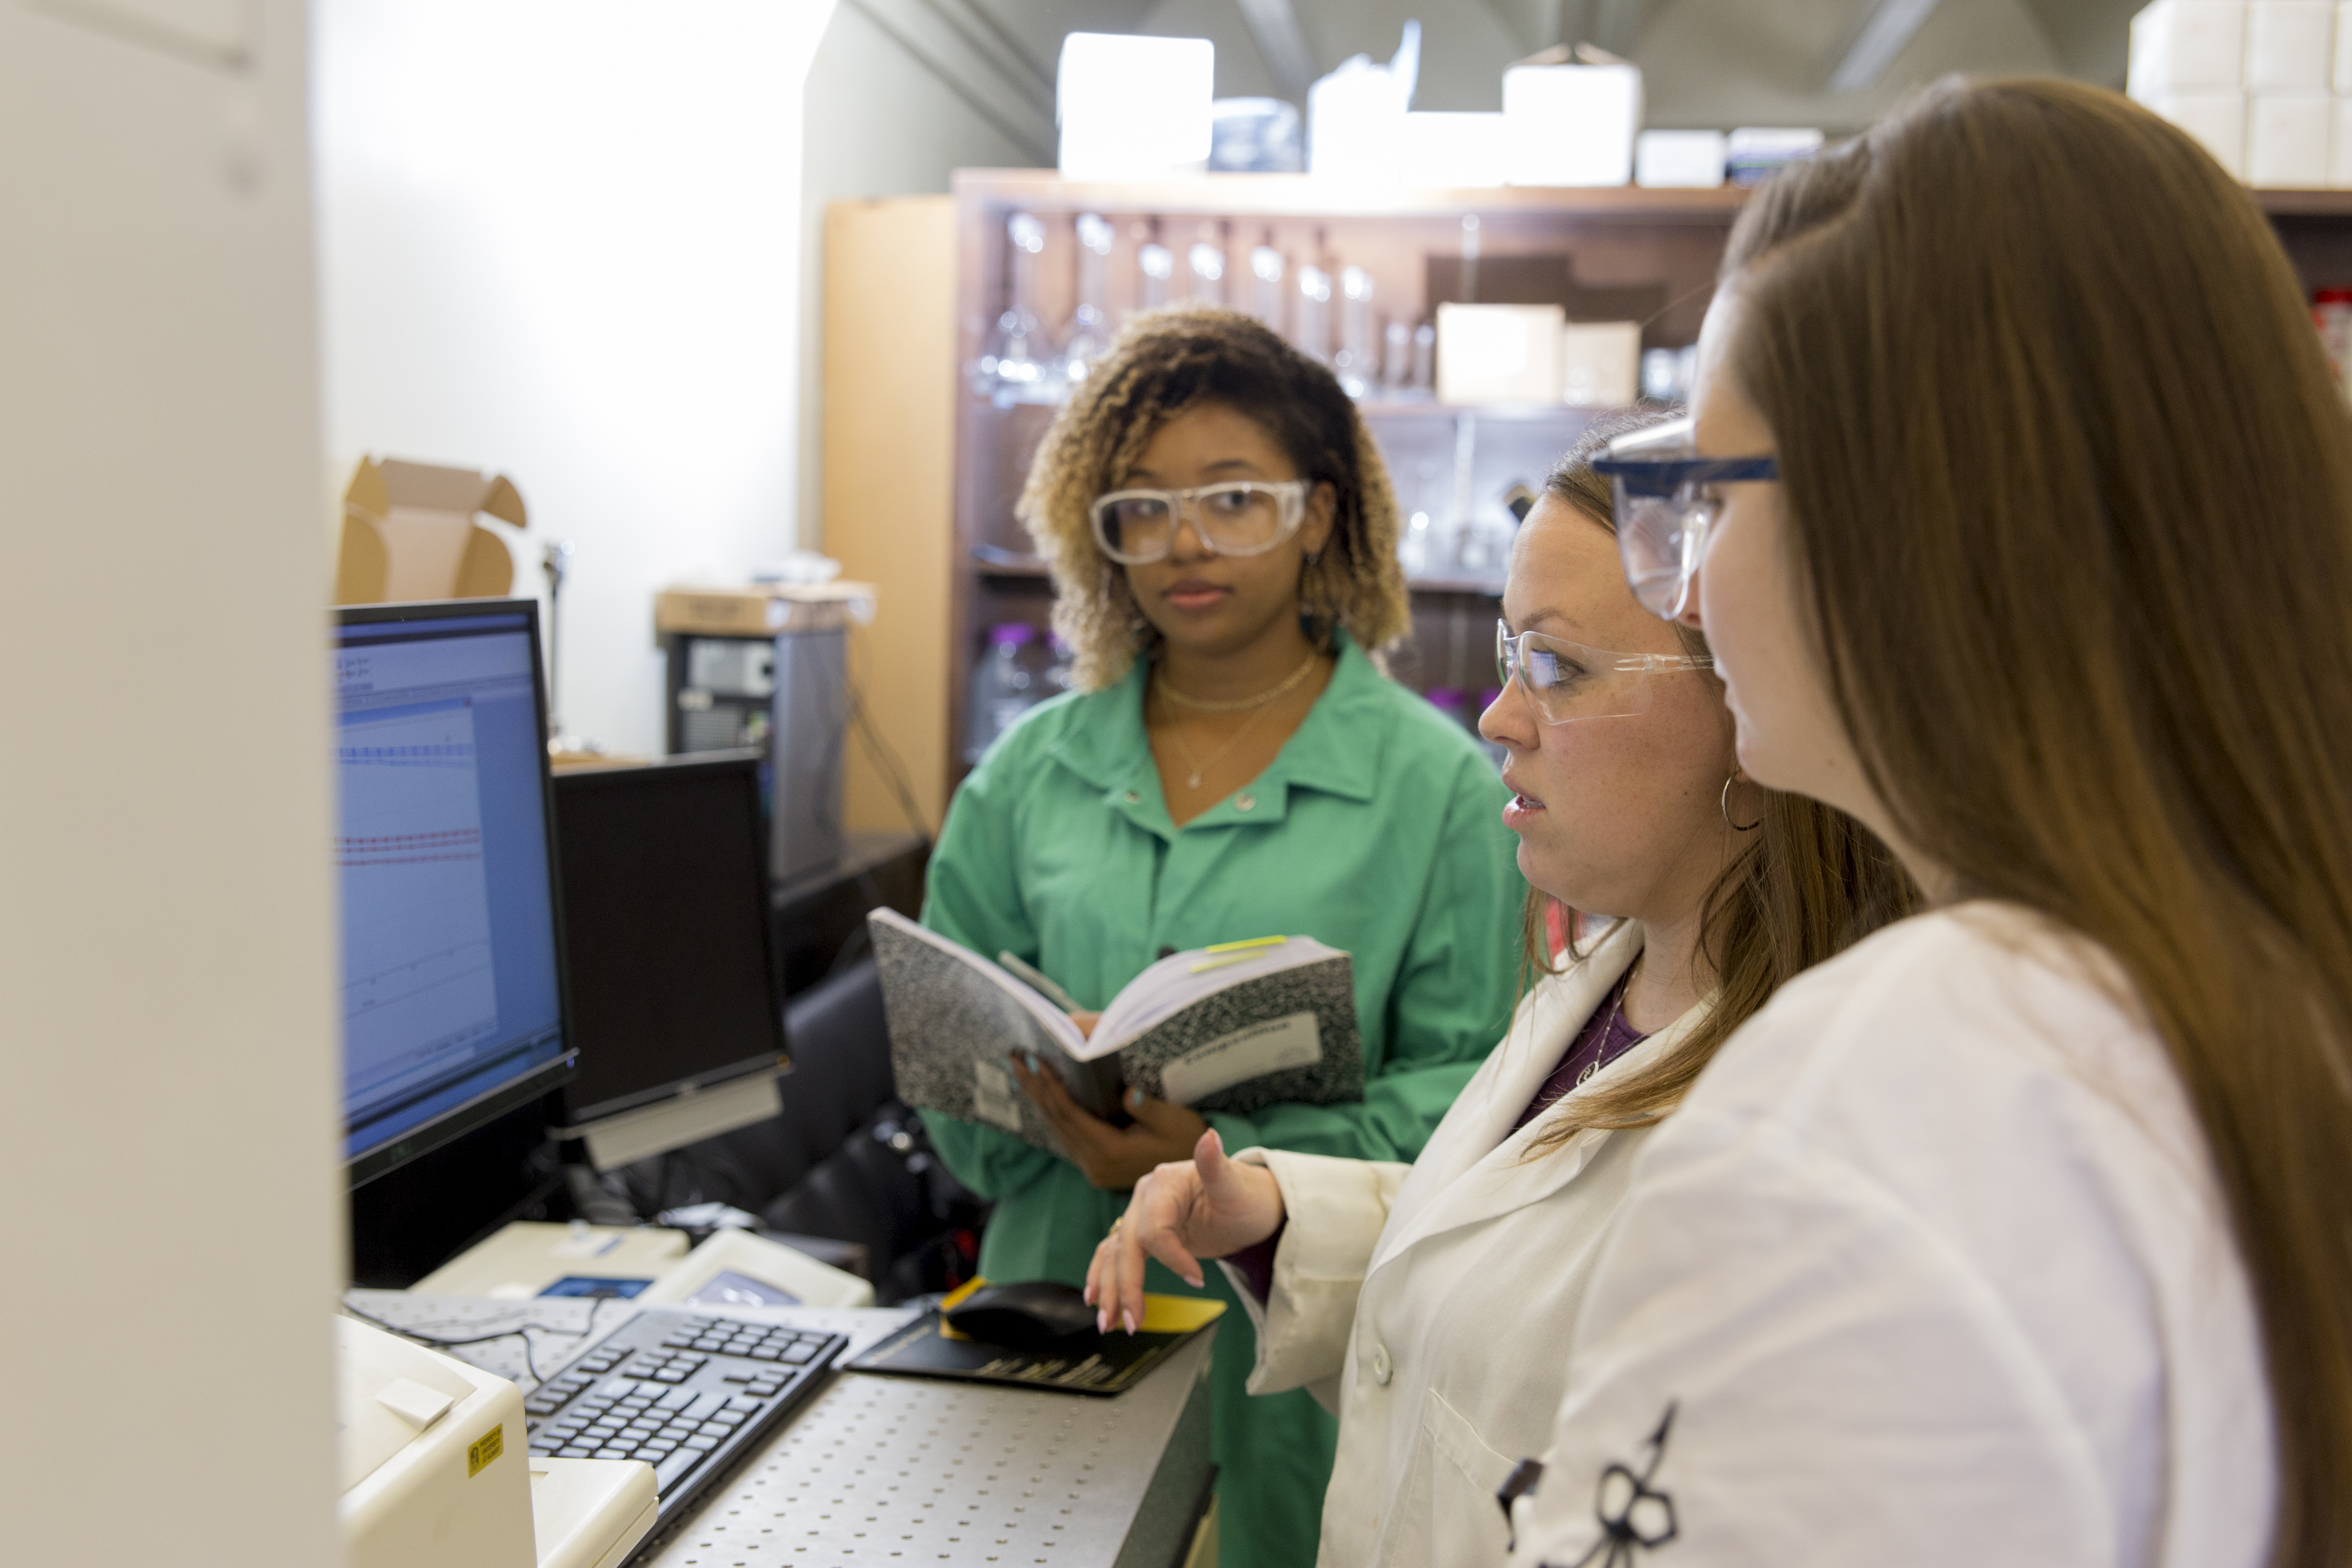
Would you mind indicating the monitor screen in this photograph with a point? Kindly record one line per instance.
(453, 988)
(666, 924)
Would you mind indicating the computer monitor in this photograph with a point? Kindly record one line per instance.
(453, 983)
(678, 1006)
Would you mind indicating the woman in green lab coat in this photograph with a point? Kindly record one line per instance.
(1223, 540)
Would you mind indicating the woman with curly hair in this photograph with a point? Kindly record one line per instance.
(1233, 765)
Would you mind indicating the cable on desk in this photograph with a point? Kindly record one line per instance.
(427, 1334)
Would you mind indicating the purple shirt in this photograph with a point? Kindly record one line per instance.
(1604, 1037)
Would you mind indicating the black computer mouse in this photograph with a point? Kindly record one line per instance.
(1026, 1315)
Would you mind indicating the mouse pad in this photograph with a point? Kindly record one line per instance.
(1111, 1364)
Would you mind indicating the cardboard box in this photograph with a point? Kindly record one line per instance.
(762, 609)
(409, 534)
(1499, 353)
(1601, 364)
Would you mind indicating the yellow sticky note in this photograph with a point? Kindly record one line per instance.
(1179, 1314)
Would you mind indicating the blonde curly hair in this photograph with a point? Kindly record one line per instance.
(1165, 362)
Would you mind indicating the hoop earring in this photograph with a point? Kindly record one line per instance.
(1723, 802)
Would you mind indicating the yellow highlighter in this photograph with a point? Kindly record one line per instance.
(1236, 952)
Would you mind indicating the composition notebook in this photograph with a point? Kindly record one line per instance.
(1089, 1364)
(1232, 1028)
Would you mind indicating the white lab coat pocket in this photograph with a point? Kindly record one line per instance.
(1466, 1524)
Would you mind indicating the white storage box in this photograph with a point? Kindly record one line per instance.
(2290, 45)
(1134, 107)
(2339, 144)
(2216, 119)
(1680, 160)
(2287, 137)
(1754, 153)
(1447, 152)
(1571, 125)
(2187, 46)
(1499, 353)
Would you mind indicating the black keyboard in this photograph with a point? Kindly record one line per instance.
(686, 1392)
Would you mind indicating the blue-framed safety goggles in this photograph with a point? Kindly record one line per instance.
(1665, 501)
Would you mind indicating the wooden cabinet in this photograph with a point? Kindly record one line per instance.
(914, 286)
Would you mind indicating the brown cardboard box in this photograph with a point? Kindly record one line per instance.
(409, 534)
(762, 609)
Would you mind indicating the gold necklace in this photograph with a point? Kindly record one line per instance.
(1240, 704)
(1176, 733)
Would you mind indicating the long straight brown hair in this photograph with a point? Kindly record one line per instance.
(1808, 883)
(2069, 485)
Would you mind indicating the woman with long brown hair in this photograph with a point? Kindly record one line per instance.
(2019, 500)
(1425, 1303)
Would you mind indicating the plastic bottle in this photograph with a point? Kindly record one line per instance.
(1061, 670)
(1001, 687)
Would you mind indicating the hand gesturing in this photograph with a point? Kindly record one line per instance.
(1207, 1206)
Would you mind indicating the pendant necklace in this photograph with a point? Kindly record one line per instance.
(1261, 702)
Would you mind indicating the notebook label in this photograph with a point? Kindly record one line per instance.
(994, 1097)
(1291, 1041)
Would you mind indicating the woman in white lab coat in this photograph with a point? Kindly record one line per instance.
(1426, 1304)
(2021, 1233)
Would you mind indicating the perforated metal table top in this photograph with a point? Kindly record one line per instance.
(897, 1472)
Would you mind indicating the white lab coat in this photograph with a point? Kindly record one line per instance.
(1429, 1305)
(1930, 1268)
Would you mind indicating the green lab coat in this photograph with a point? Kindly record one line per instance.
(1377, 829)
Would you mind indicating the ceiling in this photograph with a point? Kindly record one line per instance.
(1706, 63)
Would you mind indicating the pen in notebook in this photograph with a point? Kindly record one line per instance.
(1034, 978)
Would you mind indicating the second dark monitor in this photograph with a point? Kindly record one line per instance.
(668, 925)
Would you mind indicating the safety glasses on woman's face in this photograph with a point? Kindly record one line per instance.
(1667, 501)
(1568, 682)
(1241, 517)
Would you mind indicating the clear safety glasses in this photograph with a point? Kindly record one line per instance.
(1242, 517)
(1568, 682)
(1667, 501)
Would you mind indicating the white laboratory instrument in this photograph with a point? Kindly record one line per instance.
(436, 1469)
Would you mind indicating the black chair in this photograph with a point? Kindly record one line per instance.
(845, 1160)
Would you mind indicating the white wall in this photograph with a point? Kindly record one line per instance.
(880, 122)
(560, 240)
(167, 1026)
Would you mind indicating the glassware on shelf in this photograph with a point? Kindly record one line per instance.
(1481, 548)
(1396, 359)
(1002, 688)
(1155, 266)
(1417, 540)
(1089, 333)
(1661, 381)
(1424, 359)
(1205, 267)
(1013, 368)
(1354, 363)
(1266, 284)
(1313, 322)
